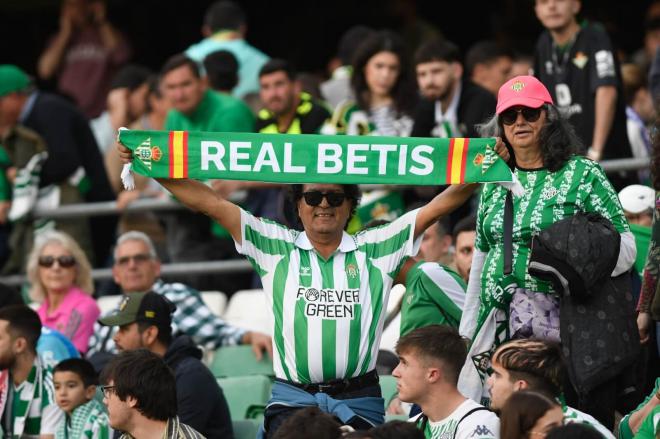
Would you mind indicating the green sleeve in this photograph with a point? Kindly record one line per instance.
(650, 425)
(625, 431)
(603, 199)
(238, 119)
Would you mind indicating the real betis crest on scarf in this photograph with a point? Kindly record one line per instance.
(286, 158)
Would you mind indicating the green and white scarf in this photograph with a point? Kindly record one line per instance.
(24, 405)
(307, 158)
(87, 421)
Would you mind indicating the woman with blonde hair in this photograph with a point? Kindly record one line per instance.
(60, 279)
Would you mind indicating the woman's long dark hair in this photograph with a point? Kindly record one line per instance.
(520, 413)
(403, 92)
(558, 139)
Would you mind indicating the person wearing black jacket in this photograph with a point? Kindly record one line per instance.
(144, 321)
(450, 106)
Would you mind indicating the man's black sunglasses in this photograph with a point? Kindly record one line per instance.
(314, 198)
(509, 116)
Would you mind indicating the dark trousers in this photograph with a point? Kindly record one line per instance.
(275, 416)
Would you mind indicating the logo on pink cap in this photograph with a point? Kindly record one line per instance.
(517, 86)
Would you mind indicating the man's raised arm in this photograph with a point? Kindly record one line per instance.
(199, 197)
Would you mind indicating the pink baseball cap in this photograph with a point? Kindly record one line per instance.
(522, 90)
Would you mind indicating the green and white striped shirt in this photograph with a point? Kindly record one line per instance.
(328, 314)
(579, 186)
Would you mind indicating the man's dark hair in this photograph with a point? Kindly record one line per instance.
(164, 331)
(485, 52)
(131, 76)
(23, 322)
(179, 60)
(10, 296)
(350, 40)
(574, 431)
(222, 70)
(309, 422)
(396, 430)
(144, 376)
(537, 362)
(80, 367)
(352, 192)
(467, 224)
(277, 65)
(437, 342)
(437, 50)
(224, 15)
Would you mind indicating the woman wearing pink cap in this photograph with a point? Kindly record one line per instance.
(558, 183)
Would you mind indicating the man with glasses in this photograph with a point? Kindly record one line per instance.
(137, 269)
(535, 365)
(140, 394)
(327, 290)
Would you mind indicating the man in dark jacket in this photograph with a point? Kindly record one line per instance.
(144, 321)
(450, 105)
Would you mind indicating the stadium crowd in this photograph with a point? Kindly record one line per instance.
(453, 311)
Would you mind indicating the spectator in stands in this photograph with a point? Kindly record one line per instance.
(61, 281)
(84, 54)
(488, 64)
(144, 321)
(430, 360)
(544, 148)
(195, 108)
(221, 71)
(533, 365)
(324, 211)
(140, 394)
(451, 105)
(523, 65)
(26, 381)
(137, 269)
(287, 110)
(631, 423)
(126, 102)
(638, 203)
(528, 414)
(640, 111)
(580, 69)
(310, 422)
(337, 89)
(436, 244)
(464, 235)
(74, 164)
(383, 90)
(52, 346)
(75, 383)
(225, 27)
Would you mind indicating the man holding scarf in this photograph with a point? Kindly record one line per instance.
(327, 289)
(27, 398)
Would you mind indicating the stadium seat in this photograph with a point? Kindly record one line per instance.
(245, 428)
(230, 361)
(388, 388)
(108, 303)
(246, 394)
(248, 309)
(389, 418)
(216, 301)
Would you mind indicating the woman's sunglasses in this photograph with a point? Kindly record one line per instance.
(64, 261)
(314, 198)
(509, 116)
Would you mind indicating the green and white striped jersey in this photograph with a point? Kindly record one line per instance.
(579, 186)
(435, 295)
(328, 314)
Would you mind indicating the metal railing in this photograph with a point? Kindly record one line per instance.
(216, 267)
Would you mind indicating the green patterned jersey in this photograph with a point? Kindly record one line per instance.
(579, 186)
(328, 313)
(434, 295)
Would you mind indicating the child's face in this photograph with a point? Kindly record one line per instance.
(70, 392)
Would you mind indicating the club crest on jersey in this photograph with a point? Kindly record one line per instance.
(351, 271)
(517, 86)
(580, 60)
(548, 193)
